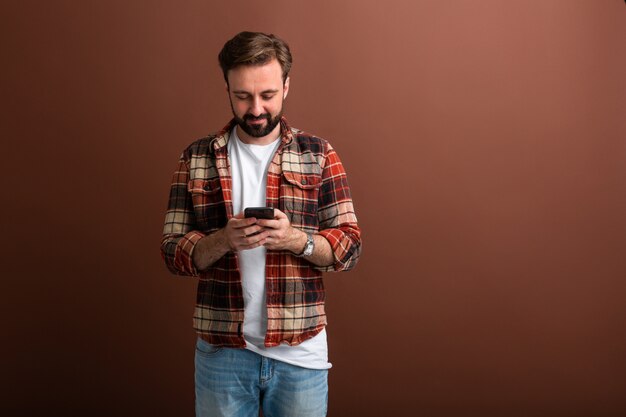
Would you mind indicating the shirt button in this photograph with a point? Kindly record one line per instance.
(303, 182)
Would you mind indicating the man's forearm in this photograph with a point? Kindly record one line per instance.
(212, 247)
(209, 249)
(322, 252)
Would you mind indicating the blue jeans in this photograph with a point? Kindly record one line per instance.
(236, 382)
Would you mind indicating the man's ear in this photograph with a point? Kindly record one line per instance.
(286, 88)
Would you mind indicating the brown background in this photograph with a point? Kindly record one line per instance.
(485, 145)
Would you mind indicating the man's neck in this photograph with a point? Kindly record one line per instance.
(263, 140)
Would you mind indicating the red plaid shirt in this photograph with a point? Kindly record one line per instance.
(306, 181)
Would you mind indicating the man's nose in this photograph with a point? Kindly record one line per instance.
(256, 109)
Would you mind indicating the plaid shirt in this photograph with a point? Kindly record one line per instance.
(306, 181)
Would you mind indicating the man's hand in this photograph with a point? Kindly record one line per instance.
(280, 235)
(248, 233)
(235, 236)
(245, 233)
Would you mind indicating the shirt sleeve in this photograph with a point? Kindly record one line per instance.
(337, 219)
(179, 237)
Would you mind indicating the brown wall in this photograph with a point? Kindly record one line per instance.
(485, 144)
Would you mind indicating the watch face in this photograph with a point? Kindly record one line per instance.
(308, 248)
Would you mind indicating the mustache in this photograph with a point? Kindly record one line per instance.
(260, 117)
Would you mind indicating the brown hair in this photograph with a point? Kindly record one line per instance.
(254, 48)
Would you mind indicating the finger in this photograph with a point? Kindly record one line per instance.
(271, 224)
(242, 223)
(279, 214)
(250, 239)
(271, 243)
(251, 230)
(251, 242)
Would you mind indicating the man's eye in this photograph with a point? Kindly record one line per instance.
(267, 97)
(242, 97)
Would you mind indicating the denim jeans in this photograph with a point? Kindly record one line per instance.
(236, 382)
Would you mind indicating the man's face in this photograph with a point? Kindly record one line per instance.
(256, 94)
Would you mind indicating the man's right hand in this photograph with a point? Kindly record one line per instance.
(235, 236)
(243, 233)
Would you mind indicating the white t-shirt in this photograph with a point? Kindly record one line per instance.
(249, 164)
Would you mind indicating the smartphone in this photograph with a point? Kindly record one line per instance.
(259, 212)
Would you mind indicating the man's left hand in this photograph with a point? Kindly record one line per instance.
(281, 235)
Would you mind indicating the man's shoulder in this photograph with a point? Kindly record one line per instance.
(307, 142)
(205, 146)
(200, 147)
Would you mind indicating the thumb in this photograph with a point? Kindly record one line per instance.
(279, 214)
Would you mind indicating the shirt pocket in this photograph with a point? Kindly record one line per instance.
(208, 203)
(299, 198)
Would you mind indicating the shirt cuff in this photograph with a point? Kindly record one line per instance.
(183, 258)
(343, 249)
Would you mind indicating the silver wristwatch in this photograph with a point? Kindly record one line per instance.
(309, 246)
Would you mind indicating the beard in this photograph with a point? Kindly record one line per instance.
(258, 131)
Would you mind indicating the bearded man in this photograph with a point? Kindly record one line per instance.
(259, 313)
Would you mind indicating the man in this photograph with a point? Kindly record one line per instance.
(260, 305)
